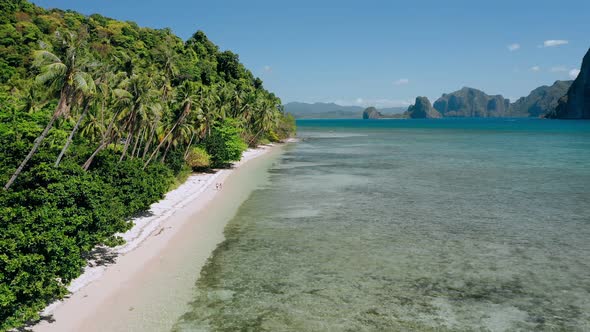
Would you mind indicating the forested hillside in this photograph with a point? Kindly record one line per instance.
(98, 119)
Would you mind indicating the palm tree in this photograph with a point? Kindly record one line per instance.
(191, 140)
(248, 102)
(32, 100)
(223, 98)
(156, 113)
(119, 100)
(185, 134)
(65, 75)
(143, 95)
(87, 103)
(167, 57)
(108, 81)
(181, 135)
(237, 102)
(187, 97)
(94, 126)
(266, 117)
(209, 111)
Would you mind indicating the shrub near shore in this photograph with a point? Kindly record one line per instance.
(198, 158)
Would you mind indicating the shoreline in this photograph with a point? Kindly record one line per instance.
(146, 244)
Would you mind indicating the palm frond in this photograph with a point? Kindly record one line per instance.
(51, 73)
(122, 94)
(44, 57)
(84, 82)
(79, 82)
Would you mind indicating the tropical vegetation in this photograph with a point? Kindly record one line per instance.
(98, 119)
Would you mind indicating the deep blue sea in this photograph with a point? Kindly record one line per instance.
(410, 225)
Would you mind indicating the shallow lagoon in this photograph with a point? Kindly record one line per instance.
(410, 225)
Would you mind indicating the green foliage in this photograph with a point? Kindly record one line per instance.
(228, 65)
(46, 227)
(198, 158)
(286, 127)
(225, 144)
(6, 71)
(272, 136)
(175, 160)
(138, 188)
(56, 216)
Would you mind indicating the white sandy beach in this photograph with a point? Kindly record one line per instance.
(186, 225)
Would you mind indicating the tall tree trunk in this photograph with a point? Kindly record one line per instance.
(189, 146)
(180, 118)
(159, 145)
(139, 142)
(62, 107)
(88, 162)
(149, 141)
(166, 151)
(116, 139)
(106, 139)
(136, 143)
(126, 146)
(102, 113)
(131, 126)
(72, 133)
(255, 137)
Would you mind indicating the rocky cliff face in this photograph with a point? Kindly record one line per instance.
(422, 109)
(540, 101)
(576, 103)
(371, 113)
(469, 102)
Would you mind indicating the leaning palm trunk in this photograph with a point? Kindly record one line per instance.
(160, 145)
(126, 146)
(62, 106)
(131, 126)
(88, 162)
(70, 138)
(255, 137)
(149, 141)
(137, 141)
(166, 151)
(180, 119)
(106, 139)
(189, 146)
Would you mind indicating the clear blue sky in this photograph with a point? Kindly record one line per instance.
(378, 52)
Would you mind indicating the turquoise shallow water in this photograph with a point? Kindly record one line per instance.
(411, 225)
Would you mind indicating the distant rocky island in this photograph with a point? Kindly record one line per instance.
(422, 109)
(561, 100)
(334, 111)
(371, 113)
(543, 101)
(575, 104)
(470, 102)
